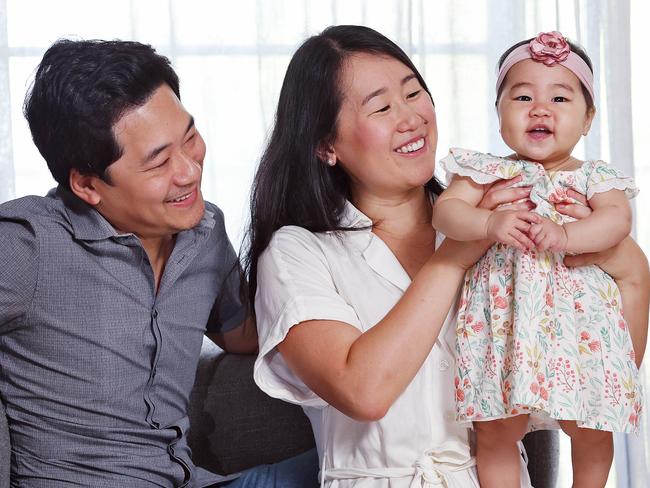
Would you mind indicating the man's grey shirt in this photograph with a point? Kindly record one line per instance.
(96, 368)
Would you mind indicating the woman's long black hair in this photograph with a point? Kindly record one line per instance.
(293, 184)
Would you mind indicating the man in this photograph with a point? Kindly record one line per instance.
(107, 283)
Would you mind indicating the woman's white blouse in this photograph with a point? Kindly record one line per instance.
(353, 277)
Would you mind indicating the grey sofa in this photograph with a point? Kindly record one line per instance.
(235, 426)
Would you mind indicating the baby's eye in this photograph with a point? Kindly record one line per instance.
(383, 109)
(560, 99)
(413, 94)
(523, 98)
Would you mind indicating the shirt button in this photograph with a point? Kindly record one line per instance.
(444, 365)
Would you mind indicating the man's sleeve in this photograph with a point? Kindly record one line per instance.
(229, 309)
(18, 270)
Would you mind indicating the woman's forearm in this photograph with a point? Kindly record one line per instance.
(362, 374)
(635, 295)
(635, 310)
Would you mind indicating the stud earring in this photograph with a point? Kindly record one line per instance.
(331, 162)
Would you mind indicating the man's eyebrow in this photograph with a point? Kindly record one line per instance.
(380, 91)
(155, 152)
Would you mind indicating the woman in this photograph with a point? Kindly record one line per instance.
(351, 297)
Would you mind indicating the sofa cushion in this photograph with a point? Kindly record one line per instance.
(233, 424)
(543, 448)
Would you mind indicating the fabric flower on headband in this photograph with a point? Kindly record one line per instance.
(549, 48)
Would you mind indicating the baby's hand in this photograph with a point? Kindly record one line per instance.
(548, 235)
(511, 227)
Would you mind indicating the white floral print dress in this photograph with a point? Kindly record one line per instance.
(534, 336)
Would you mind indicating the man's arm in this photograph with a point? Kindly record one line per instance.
(239, 340)
(18, 269)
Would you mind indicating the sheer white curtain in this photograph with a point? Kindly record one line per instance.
(6, 161)
(231, 58)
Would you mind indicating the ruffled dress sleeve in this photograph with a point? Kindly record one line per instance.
(482, 168)
(294, 285)
(603, 177)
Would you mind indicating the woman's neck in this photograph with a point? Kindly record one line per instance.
(404, 225)
(399, 215)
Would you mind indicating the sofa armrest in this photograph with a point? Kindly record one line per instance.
(233, 424)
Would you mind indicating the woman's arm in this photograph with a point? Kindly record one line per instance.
(457, 215)
(362, 374)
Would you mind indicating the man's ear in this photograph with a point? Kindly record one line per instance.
(589, 118)
(85, 187)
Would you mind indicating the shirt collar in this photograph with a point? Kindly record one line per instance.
(353, 218)
(375, 252)
(87, 223)
(90, 225)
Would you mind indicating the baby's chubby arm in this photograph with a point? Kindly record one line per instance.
(609, 223)
(456, 215)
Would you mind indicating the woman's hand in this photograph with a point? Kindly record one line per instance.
(512, 223)
(578, 210)
(503, 195)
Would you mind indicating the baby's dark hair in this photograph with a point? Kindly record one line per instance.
(576, 48)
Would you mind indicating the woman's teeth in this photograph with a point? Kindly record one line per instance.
(413, 146)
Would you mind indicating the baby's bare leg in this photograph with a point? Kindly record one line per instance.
(592, 452)
(497, 454)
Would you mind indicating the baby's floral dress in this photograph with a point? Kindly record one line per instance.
(533, 336)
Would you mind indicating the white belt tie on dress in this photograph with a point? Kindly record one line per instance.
(434, 469)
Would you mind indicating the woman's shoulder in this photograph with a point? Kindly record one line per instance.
(292, 243)
(293, 235)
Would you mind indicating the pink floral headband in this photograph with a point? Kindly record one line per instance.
(549, 48)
